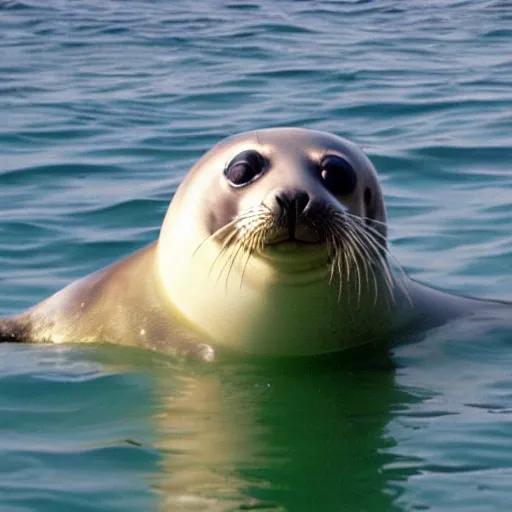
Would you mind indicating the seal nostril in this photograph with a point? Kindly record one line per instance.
(294, 201)
(283, 202)
(301, 201)
(292, 204)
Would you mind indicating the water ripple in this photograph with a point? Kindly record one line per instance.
(105, 107)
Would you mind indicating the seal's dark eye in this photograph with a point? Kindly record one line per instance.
(244, 168)
(339, 176)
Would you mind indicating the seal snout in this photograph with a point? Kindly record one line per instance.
(292, 199)
(293, 208)
(292, 204)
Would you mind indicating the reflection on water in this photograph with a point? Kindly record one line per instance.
(134, 430)
(239, 435)
(298, 435)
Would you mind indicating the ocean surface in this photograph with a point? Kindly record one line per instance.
(105, 104)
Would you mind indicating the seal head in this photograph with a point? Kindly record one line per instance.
(275, 243)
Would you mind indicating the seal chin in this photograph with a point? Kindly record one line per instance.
(300, 235)
(289, 244)
(296, 256)
(296, 250)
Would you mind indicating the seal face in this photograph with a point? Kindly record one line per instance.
(274, 243)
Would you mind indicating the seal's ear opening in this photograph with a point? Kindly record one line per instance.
(375, 213)
(369, 204)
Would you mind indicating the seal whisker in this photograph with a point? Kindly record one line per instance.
(227, 228)
(357, 258)
(369, 262)
(353, 236)
(246, 231)
(380, 262)
(340, 273)
(226, 245)
(335, 248)
(343, 257)
(231, 261)
(371, 255)
(246, 262)
(239, 245)
(389, 279)
(339, 258)
(364, 226)
(380, 258)
(369, 219)
(216, 234)
(403, 277)
(257, 243)
(350, 249)
(229, 244)
(335, 253)
(332, 250)
(332, 270)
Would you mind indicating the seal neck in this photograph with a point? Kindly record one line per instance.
(279, 302)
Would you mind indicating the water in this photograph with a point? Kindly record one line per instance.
(105, 105)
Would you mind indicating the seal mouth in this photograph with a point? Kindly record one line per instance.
(346, 248)
(287, 241)
(292, 242)
(295, 246)
(296, 261)
(295, 239)
(299, 231)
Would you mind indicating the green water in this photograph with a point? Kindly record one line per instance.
(105, 106)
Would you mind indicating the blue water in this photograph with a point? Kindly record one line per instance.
(104, 107)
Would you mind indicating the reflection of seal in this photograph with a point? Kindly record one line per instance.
(275, 243)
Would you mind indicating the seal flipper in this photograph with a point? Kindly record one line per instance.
(14, 330)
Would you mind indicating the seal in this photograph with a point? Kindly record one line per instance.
(275, 243)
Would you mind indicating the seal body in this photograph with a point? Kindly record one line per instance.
(274, 244)
(123, 303)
